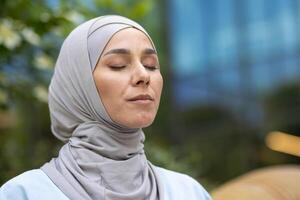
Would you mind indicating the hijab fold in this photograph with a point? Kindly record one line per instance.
(100, 158)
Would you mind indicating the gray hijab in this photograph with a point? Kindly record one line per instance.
(101, 159)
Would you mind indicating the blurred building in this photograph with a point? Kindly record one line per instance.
(233, 52)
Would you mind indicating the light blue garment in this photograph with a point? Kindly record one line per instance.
(35, 185)
(31, 185)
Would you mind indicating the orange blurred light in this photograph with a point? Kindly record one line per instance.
(283, 142)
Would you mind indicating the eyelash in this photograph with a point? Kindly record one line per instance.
(115, 67)
(151, 68)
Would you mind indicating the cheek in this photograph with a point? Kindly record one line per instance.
(102, 86)
(158, 85)
(109, 85)
(111, 91)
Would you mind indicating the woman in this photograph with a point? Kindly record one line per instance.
(105, 88)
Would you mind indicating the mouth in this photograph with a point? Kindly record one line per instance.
(143, 98)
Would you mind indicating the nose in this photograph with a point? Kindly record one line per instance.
(141, 76)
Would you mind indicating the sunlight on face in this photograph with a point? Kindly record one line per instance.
(128, 79)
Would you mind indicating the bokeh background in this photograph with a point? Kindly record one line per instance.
(231, 71)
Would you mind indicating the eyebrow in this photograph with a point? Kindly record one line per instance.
(147, 51)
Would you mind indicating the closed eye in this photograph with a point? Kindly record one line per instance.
(117, 67)
(151, 67)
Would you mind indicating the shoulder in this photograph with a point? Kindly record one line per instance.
(31, 185)
(181, 186)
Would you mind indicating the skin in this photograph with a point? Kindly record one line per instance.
(127, 68)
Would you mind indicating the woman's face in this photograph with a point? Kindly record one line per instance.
(128, 79)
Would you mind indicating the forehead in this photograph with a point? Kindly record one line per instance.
(129, 38)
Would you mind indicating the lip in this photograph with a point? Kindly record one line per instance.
(142, 98)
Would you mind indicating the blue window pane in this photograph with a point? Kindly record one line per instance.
(236, 45)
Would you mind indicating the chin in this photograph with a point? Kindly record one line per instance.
(140, 122)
